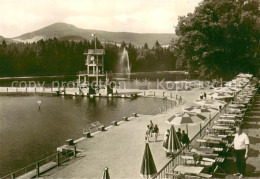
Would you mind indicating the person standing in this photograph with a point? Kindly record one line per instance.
(165, 142)
(167, 132)
(151, 128)
(156, 132)
(180, 100)
(178, 133)
(205, 95)
(201, 95)
(241, 145)
(185, 139)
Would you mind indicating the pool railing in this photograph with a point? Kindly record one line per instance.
(44, 165)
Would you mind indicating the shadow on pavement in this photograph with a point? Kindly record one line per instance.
(254, 140)
(230, 167)
(253, 153)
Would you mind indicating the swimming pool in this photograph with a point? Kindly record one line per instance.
(28, 134)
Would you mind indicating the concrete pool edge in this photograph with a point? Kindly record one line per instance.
(124, 121)
(28, 93)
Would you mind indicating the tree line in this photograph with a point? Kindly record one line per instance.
(219, 40)
(63, 57)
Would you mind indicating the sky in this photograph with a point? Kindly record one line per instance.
(144, 16)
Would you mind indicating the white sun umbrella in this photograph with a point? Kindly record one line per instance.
(220, 95)
(203, 110)
(227, 89)
(196, 109)
(239, 84)
(234, 84)
(245, 75)
(186, 118)
(210, 102)
(243, 80)
(250, 88)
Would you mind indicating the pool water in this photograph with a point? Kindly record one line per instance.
(28, 134)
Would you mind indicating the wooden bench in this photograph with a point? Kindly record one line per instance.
(201, 140)
(69, 142)
(134, 114)
(87, 134)
(188, 159)
(101, 128)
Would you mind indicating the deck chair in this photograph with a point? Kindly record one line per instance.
(173, 175)
(188, 159)
(219, 168)
(191, 176)
(207, 161)
(205, 175)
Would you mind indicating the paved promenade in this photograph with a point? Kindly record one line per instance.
(251, 126)
(121, 148)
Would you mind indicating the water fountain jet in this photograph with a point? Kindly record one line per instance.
(124, 65)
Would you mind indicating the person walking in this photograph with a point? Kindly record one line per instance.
(185, 139)
(201, 95)
(151, 126)
(147, 134)
(241, 145)
(156, 132)
(180, 100)
(205, 95)
(167, 132)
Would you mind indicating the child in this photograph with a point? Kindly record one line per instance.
(147, 134)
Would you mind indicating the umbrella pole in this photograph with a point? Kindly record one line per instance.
(200, 129)
(187, 129)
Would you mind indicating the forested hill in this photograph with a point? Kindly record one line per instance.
(64, 57)
(69, 32)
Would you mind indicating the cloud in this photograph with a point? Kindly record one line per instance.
(159, 16)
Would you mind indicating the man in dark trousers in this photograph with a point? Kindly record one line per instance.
(241, 145)
(185, 139)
